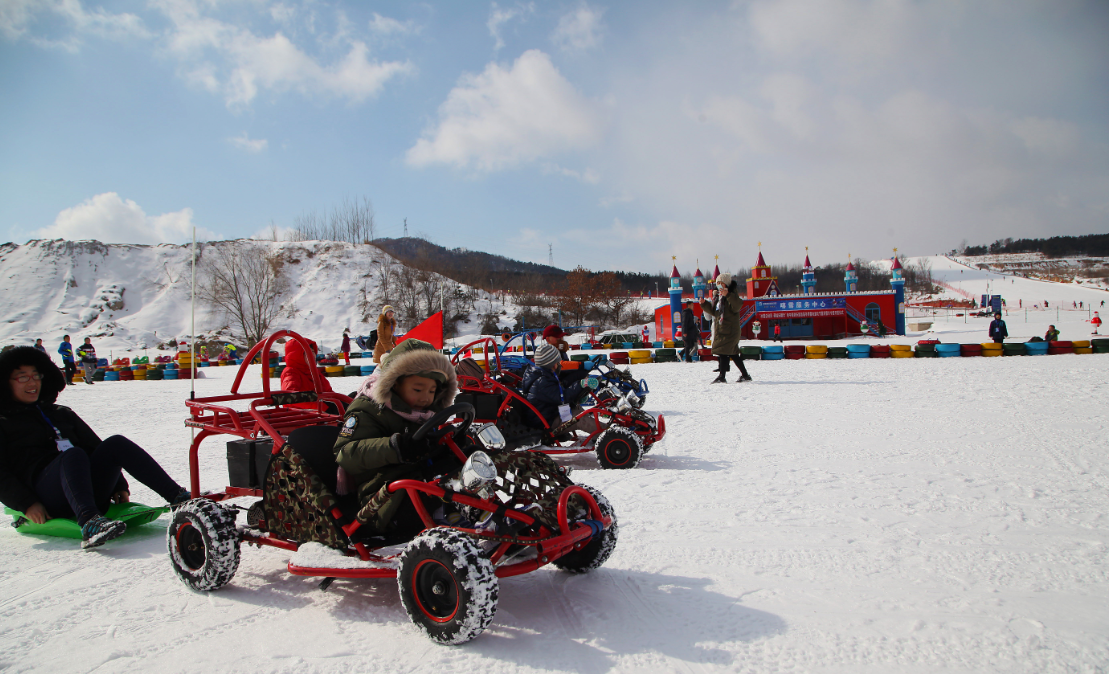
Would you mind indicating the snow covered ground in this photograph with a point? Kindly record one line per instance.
(831, 516)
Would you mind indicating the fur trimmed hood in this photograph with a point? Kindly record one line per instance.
(413, 356)
(53, 381)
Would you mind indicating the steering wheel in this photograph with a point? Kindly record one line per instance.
(431, 429)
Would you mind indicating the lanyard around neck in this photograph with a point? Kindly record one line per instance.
(57, 433)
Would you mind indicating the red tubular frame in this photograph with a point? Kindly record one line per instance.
(276, 421)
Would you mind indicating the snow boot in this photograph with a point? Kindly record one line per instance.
(719, 379)
(183, 497)
(99, 530)
(745, 377)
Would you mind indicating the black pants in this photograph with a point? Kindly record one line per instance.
(687, 352)
(70, 370)
(81, 485)
(738, 360)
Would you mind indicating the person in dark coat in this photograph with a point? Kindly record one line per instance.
(725, 309)
(998, 331)
(39, 346)
(66, 351)
(53, 465)
(87, 353)
(542, 388)
(691, 333)
(345, 347)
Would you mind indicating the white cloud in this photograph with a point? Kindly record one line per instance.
(504, 117)
(384, 26)
(580, 29)
(253, 145)
(858, 30)
(17, 16)
(238, 63)
(108, 218)
(498, 17)
(588, 176)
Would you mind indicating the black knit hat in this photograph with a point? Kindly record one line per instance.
(53, 381)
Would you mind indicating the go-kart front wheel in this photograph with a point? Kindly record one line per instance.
(203, 544)
(618, 447)
(596, 552)
(448, 587)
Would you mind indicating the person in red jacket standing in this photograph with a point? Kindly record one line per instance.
(345, 348)
(297, 375)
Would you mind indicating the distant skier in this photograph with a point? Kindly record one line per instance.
(87, 353)
(998, 331)
(66, 351)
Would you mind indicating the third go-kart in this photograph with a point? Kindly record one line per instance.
(483, 513)
(620, 433)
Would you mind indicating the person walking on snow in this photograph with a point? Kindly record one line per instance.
(690, 332)
(87, 353)
(725, 309)
(386, 324)
(998, 331)
(345, 348)
(66, 351)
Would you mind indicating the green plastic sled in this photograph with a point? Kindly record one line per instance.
(132, 514)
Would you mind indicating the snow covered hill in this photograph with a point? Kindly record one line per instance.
(135, 296)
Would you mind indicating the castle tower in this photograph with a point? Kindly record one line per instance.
(898, 284)
(675, 301)
(761, 283)
(808, 276)
(716, 271)
(699, 286)
(851, 278)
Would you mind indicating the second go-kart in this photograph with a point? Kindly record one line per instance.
(492, 515)
(621, 433)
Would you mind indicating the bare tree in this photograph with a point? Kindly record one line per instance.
(351, 221)
(244, 281)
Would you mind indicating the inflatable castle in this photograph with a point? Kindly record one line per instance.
(806, 315)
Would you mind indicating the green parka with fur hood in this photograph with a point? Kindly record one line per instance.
(363, 448)
(725, 319)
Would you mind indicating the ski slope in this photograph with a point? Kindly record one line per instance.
(830, 516)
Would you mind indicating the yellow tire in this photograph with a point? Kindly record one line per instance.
(900, 353)
(816, 356)
(991, 345)
(900, 347)
(1081, 344)
(668, 344)
(816, 348)
(639, 353)
(640, 361)
(1083, 349)
(334, 370)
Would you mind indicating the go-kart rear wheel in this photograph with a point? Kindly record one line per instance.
(203, 544)
(448, 586)
(596, 551)
(618, 447)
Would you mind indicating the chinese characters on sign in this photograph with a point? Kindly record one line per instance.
(821, 305)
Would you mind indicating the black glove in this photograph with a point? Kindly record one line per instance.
(409, 450)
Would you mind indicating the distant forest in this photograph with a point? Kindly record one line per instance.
(1056, 246)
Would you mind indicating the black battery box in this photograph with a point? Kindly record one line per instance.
(247, 461)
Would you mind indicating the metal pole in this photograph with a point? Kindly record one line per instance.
(192, 329)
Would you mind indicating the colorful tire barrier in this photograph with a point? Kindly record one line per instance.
(579, 357)
(1082, 346)
(639, 354)
(901, 351)
(642, 361)
(858, 350)
(666, 355)
(837, 352)
(1100, 345)
(751, 352)
(1012, 349)
(154, 374)
(926, 348)
(816, 351)
(333, 370)
(169, 374)
(773, 352)
(795, 351)
(1035, 348)
(366, 370)
(351, 370)
(991, 349)
(705, 354)
(620, 357)
(98, 374)
(969, 350)
(879, 350)
(1059, 348)
(948, 350)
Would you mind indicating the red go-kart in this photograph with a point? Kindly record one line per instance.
(490, 515)
(611, 426)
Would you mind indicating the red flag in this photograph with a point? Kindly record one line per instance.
(430, 331)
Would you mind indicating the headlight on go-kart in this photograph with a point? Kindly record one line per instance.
(490, 437)
(627, 402)
(478, 471)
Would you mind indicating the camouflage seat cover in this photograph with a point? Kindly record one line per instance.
(297, 504)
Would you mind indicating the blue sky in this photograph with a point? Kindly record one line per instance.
(621, 133)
